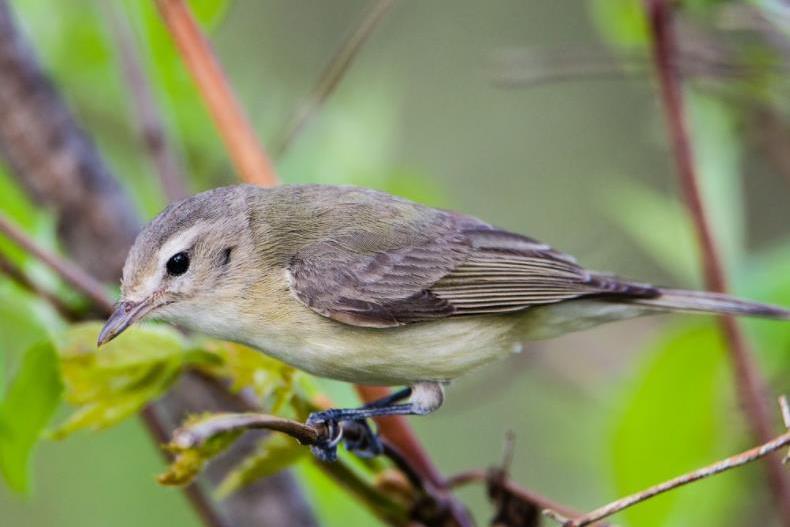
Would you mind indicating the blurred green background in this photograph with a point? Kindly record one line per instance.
(433, 109)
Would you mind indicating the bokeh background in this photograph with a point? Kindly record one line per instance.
(540, 116)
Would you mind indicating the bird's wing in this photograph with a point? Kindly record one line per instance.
(465, 267)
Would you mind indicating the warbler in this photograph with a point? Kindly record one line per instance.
(361, 286)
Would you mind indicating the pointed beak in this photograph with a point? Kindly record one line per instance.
(124, 315)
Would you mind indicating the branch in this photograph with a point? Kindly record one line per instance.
(720, 466)
(20, 278)
(330, 77)
(751, 386)
(151, 129)
(251, 162)
(71, 274)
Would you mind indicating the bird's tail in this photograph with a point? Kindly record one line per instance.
(704, 302)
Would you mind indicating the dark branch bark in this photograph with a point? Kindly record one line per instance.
(57, 163)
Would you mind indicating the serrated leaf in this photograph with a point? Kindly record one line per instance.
(31, 399)
(274, 454)
(671, 420)
(109, 384)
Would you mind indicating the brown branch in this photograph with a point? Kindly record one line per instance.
(330, 78)
(150, 126)
(750, 384)
(720, 466)
(485, 476)
(251, 162)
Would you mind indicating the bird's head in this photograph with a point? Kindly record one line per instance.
(189, 259)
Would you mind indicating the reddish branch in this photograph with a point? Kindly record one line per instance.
(250, 160)
(751, 386)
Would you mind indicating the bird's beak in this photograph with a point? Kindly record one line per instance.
(125, 314)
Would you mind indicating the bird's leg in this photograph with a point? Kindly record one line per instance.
(423, 398)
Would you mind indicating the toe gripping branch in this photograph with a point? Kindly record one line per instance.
(351, 426)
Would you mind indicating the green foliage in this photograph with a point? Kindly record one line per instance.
(26, 408)
(109, 384)
(272, 381)
(621, 22)
(672, 422)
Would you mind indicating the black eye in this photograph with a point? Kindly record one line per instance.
(178, 264)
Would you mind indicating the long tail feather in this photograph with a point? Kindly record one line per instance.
(704, 302)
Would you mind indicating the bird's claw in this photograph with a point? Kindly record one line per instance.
(325, 447)
(364, 442)
(359, 437)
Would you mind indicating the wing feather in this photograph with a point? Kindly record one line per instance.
(449, 266)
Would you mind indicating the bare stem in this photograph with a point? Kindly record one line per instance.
(70, 273)
(751, 386)
(151, 129)
(17, 275)
(330, 77)
(710, 470)
(251, 162)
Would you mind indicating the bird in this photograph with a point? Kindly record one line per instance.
(361, 286)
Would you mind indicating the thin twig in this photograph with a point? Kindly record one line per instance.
(330, 77)
(17, 275)
(751, 386)
(710, 470)
(484, 476)
(251, 162)
(70, 273)
(150, 125)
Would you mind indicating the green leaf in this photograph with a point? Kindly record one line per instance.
(621, 22)
(209, 12)
(109, 384)
(31, 399)
(275, 453)
(274, 382)
(672, 422)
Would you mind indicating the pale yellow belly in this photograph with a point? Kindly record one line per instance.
(433, 351)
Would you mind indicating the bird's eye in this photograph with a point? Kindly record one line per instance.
(178, 264)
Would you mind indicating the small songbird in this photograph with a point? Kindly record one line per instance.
(361, 286)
